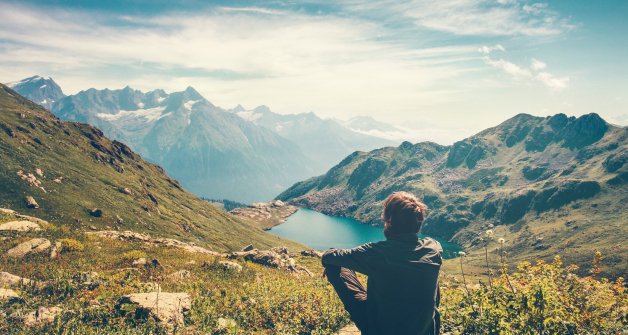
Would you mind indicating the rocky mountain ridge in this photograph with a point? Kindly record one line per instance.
(547, 184)
(71, 173)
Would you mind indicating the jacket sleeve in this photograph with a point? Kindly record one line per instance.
(359, 259)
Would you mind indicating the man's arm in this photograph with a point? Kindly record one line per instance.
(359, 259)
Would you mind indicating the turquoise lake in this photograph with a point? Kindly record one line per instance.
(322, 232)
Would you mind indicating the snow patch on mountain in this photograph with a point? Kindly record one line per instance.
(150, 114)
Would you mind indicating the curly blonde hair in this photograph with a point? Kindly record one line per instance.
(403, 214)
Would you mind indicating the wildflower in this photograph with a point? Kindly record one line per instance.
(490, 234)
(501, 240)
(462, 253)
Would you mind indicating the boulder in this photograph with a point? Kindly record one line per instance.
(7, 211)
(43, 315)
(248, 248)
(19, 226)
(180, 275)
(33, 246)
(312, 253)
(7, 294)
(280, 250)
(126, 235)
(56, 250)
(166, 307)
(230, 266)
(7, 279)
(31, 203)
(140, 261)
(95, 212)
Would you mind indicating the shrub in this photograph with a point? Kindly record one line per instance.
(70, 245)
(132, 255)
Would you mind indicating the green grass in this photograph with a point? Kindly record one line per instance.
(87, 182)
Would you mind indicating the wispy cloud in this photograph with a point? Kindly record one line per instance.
(476, 17)
(533, 73)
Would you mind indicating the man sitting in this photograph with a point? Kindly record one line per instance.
(403, 294)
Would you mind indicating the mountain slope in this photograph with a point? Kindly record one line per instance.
(43, 91)
(72, 168)
(545, 184)
(213, 153)
(324, 141)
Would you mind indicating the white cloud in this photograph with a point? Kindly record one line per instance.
(552, 81)
(537, 65)
(477, 17)
(326, 64)
(512, 69)
(487, 50)
(532, 74)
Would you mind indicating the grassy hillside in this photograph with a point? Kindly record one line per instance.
(81, 291)
(554, 185)
(72, 168)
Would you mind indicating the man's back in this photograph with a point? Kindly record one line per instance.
(402, 295)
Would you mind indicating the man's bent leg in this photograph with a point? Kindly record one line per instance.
(351, 293)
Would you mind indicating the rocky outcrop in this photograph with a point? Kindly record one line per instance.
(33, 246)
(278, 258)
(164, 242)
(232, 266)
(43, 315)
(266, 214)
(31, 203)
(168, 308)
(20, 226)
(312, 253)
(7, 294)
(11, 280)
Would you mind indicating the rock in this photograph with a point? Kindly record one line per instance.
(29, 247)
(248, 248)
(7, 211)
(31, 203)
(19, 226)
(312, 253)
(278, 203)
(180, 275)
(167, 307)
(119, 220)
(126, 190)
(280, 250)
(56, 250)
(95, 212)
(43, 315)
(7, 279)
(223, 324)
(39, 172)
(230, 266)
(169, 242)
(126, 235)
(140, 261)
(32, 219)
(154, 263)
(7, 294)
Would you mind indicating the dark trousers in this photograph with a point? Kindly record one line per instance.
(351, 293)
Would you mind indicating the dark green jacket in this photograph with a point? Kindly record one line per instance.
(402, 289)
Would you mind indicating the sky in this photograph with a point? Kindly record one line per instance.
(446, 69)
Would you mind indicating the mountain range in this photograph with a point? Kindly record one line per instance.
(546, 185)
(72, 175)
(233, 154)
